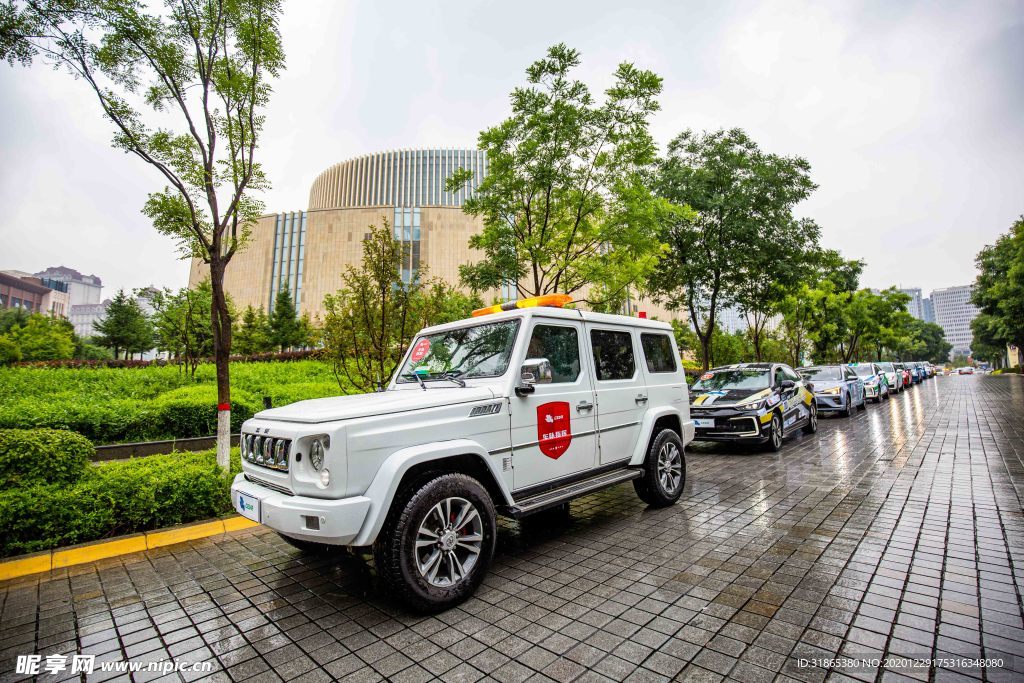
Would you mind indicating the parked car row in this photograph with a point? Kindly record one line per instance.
(764, 402)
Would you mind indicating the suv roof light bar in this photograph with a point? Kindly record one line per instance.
(554, 300)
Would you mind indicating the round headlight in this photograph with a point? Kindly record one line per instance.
(325, 478)
(279, 453)
(316, 454)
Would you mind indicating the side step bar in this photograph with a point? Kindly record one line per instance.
(547, 499)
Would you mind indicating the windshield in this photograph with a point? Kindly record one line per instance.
(863, 370)
(466, 352)
(831, 372)
(739, 378)
(886, 367)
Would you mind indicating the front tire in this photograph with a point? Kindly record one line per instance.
(812, 420)
(437, 542)
(847, 407)
(775, 434)
(664, 471)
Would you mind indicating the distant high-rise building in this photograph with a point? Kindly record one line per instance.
(927, 310)
(82, 289)
(954, 313)
(914, 306)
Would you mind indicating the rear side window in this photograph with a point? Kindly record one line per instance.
(613, 354)
(658, 352)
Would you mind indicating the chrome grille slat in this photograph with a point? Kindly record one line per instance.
(274, 453)
(269, 485)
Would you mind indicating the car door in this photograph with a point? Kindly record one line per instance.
(621, 390)
(855, 385)
(554, 429)
(790, 397)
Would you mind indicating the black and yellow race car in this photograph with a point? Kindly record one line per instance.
(752, 402)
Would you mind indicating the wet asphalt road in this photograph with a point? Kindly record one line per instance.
(896, 534)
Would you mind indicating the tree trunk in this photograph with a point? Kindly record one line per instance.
(221, 319)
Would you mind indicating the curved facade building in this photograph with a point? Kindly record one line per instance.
(307, 251)
(407, 178)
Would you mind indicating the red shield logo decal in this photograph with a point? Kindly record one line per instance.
(420, 351)
(554, 431)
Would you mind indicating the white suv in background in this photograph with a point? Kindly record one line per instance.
(513, 412)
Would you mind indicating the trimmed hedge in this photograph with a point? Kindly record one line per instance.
(116, 498)
(42, 456)
(109, 405)
(131, 363)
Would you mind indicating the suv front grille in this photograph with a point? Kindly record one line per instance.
(266, 451)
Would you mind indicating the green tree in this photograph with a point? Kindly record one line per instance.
(11, 318)
(368, 324)
(565, 203)
(988, 344)
(933, 345)
(253, 335)
(124, 327)
(285, 327)
(890, 329)
(43, 338)
(999, 288)
(202, 71)
(181, 320)
(742, 197)
(9, 350)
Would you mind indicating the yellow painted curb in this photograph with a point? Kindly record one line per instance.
(26, 565)
(238, 523)
(155, 539)
(100, 550)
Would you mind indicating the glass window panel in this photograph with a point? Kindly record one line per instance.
(658, 352)
(561, 347)
(613, 354)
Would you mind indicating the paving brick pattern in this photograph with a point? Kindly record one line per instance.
(897, 533)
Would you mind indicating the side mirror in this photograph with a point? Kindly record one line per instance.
(810, 386)
(787, 384)
(534, 371)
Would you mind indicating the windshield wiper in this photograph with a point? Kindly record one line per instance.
(416, 376)
(453, 376)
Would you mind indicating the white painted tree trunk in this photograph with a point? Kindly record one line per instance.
(224, 439)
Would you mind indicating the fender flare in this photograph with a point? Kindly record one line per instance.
(384, 486)
(647, 426)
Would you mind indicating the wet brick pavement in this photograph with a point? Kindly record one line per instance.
(895, 533)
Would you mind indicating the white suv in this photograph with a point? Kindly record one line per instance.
(513, 413)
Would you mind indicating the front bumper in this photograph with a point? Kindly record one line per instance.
(830, 402)
(729, 425)
(334, 522)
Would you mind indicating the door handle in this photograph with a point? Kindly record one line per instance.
(584, 405)
(641, 399)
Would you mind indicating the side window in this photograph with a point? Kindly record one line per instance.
(790, 374)
(613, 354)
(561, 346)
(779, 376)
(850, 374)
(658, 352)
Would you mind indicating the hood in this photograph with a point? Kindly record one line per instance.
(382, 403)
(708, 399)
(820, 384)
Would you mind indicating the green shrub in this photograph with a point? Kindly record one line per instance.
(117, 405)
(192, 411)
(42, 456)
(116, 498)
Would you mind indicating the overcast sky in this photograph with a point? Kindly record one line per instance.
(909, 113)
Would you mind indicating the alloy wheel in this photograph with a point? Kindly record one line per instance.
(670, 467)
(449, 542)
(776, 432)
